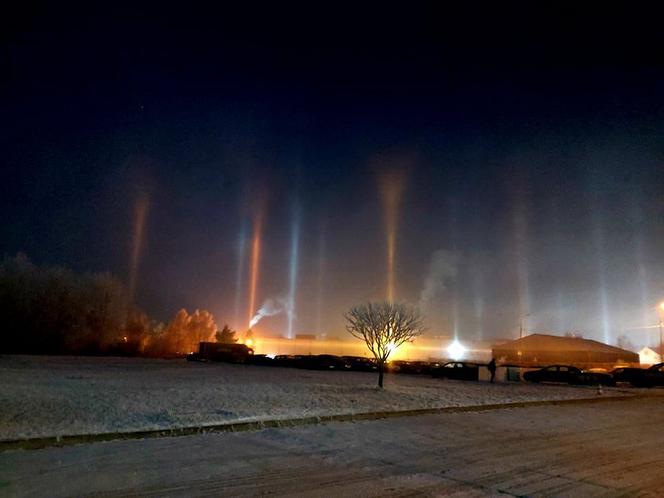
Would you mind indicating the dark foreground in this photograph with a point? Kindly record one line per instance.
(599, 449)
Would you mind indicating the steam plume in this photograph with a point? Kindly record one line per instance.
(271, 307)
(443, 267)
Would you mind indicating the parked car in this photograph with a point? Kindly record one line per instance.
(287, 360)
(424, 367)
(262, 359)
(323, 362)
(360, 363)
(195, 357)
(409, 367)
(631, 375)
(458, 370)
(640, 377)
(569, 375)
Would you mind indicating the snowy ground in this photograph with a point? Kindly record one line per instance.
(49, 396)
(609, 449)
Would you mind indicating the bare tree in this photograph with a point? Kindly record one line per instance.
(384, 327)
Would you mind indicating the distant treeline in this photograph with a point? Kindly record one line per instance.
(52, 310)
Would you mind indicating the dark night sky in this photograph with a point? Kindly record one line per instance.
(529, 144)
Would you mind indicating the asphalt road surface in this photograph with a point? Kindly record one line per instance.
(612, 448)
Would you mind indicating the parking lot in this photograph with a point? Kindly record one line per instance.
(612, 448)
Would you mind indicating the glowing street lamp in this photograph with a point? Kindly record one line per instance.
(456, 350)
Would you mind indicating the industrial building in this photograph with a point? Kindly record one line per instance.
(542, 349)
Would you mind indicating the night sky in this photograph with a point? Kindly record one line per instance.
(527, 147)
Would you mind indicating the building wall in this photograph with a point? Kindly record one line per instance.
(583, 359)
(649, 357)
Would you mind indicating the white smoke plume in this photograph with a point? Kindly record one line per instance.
(271, 307)
(442, 269)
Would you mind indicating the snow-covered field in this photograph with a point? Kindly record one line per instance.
(50, 396)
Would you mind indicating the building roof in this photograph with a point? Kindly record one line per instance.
(544, 342)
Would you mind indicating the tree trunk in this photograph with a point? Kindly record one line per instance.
(380, 374)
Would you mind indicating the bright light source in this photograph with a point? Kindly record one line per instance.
(661, 306)
(391, 347)
(249, 342)
(271, 355)
(456, 350)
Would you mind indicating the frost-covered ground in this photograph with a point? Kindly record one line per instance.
(610, 449)
(48, 396)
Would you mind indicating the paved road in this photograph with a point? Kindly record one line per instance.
(602, 449)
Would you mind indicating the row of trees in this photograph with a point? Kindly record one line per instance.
(181, 335)
(54, 310)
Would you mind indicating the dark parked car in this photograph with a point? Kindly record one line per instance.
(459, 370)
(360, 363)
(569, 375)
(641, 377)
(262, 359)
(323, 362)
(287, 360)
(195, 357)
(409, 367)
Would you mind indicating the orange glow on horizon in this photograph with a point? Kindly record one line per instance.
(421, 349)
